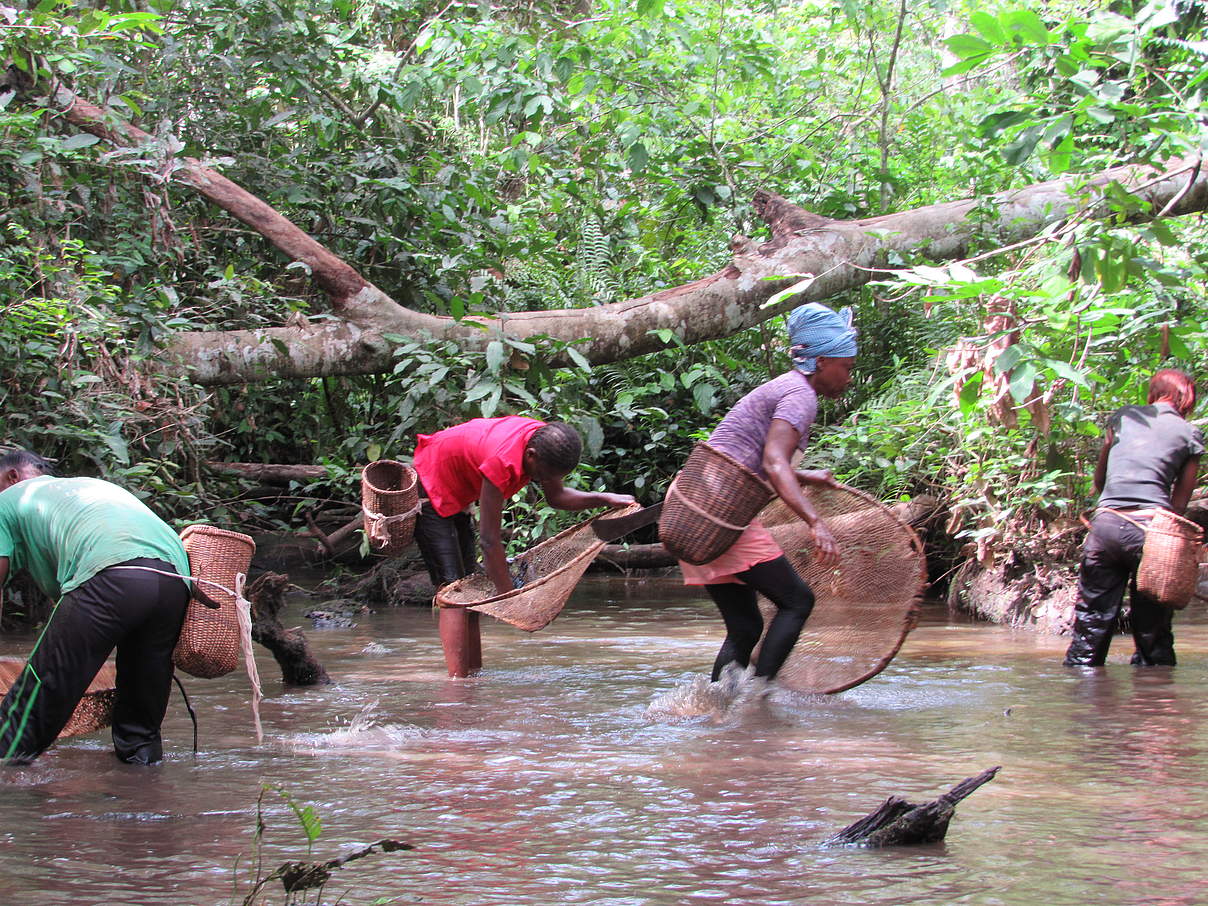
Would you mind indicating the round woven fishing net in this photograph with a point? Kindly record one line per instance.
(95, 709)
(864, 607)
(549, 573)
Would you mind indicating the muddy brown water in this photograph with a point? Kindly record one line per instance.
(550, 778)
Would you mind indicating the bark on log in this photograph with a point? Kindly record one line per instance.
(841, 255)
(900, 823)
(269, 473)
(299, 667)
(636, 556)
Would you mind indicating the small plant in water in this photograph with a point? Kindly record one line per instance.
(304, 881)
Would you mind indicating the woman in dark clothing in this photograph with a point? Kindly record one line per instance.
(1148, 461)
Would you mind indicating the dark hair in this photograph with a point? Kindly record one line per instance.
(1174, 387)
(24, 459)
(558, 445)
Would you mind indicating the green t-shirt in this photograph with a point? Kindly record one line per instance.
(63, 531)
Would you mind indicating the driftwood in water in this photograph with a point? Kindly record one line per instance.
(298, 665)
(899, 823)
(297, 876)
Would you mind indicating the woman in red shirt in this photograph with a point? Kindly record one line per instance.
(488, 460)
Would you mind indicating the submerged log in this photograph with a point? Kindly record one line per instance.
(299, 667)
(900, 823)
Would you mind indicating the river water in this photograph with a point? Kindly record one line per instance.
(551, 779)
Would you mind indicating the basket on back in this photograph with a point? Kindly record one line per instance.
(864, 608)
(712, 499)
(390, 502)
(1169, 568)
(209, 639)
(95, 708)
(550, 571)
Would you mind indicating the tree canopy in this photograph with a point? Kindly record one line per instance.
(475, 162)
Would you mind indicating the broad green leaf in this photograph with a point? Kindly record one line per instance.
(637, 157)
(989, 27)
(1022, 382)
(969, 394)
(1010, 357)
(1067, 371)
(578, 358)
(80, 140)
(799, 287)
(965, 65)
(479, 390)
(1027, 25)
(966, 46)
(1021, 149)
(495, 355)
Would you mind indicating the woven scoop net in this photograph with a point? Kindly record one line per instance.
(864, 607)
(550, 571)
(95, 709)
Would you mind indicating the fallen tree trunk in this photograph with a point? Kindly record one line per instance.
(635, 556)
(838, 255)
(269, 473)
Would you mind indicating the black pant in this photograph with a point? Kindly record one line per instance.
(1109, 564)
(783, 586)
(138, 612)
(447, 544)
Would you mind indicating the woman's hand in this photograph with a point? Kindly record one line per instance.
(817, 476)
(618, 500)
(825, 546)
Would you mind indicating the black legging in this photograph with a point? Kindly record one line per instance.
(778, 582)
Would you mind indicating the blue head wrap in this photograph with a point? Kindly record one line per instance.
(815, 330)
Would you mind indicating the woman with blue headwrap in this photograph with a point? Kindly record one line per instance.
(763, 431)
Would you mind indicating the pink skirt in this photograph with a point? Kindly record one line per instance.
(754, 545)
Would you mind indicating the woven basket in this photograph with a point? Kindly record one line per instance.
(863, 608)
(550, 571)
(389, 488)
(209, 639)
(1169, 569)
(712, 499)
(95, 708)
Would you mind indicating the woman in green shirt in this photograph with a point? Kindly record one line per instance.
(77, 538)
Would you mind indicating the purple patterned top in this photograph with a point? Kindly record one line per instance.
(744, 430)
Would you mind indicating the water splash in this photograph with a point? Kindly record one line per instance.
(736, 693)
(364, 732)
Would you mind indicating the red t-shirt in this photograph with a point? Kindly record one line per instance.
(452, 463)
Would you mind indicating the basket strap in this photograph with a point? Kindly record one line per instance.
(1123, 515)
(378, 524)
(243, 612)
(700, 512)
(195, 579)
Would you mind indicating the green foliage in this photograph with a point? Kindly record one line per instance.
(472, 159)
